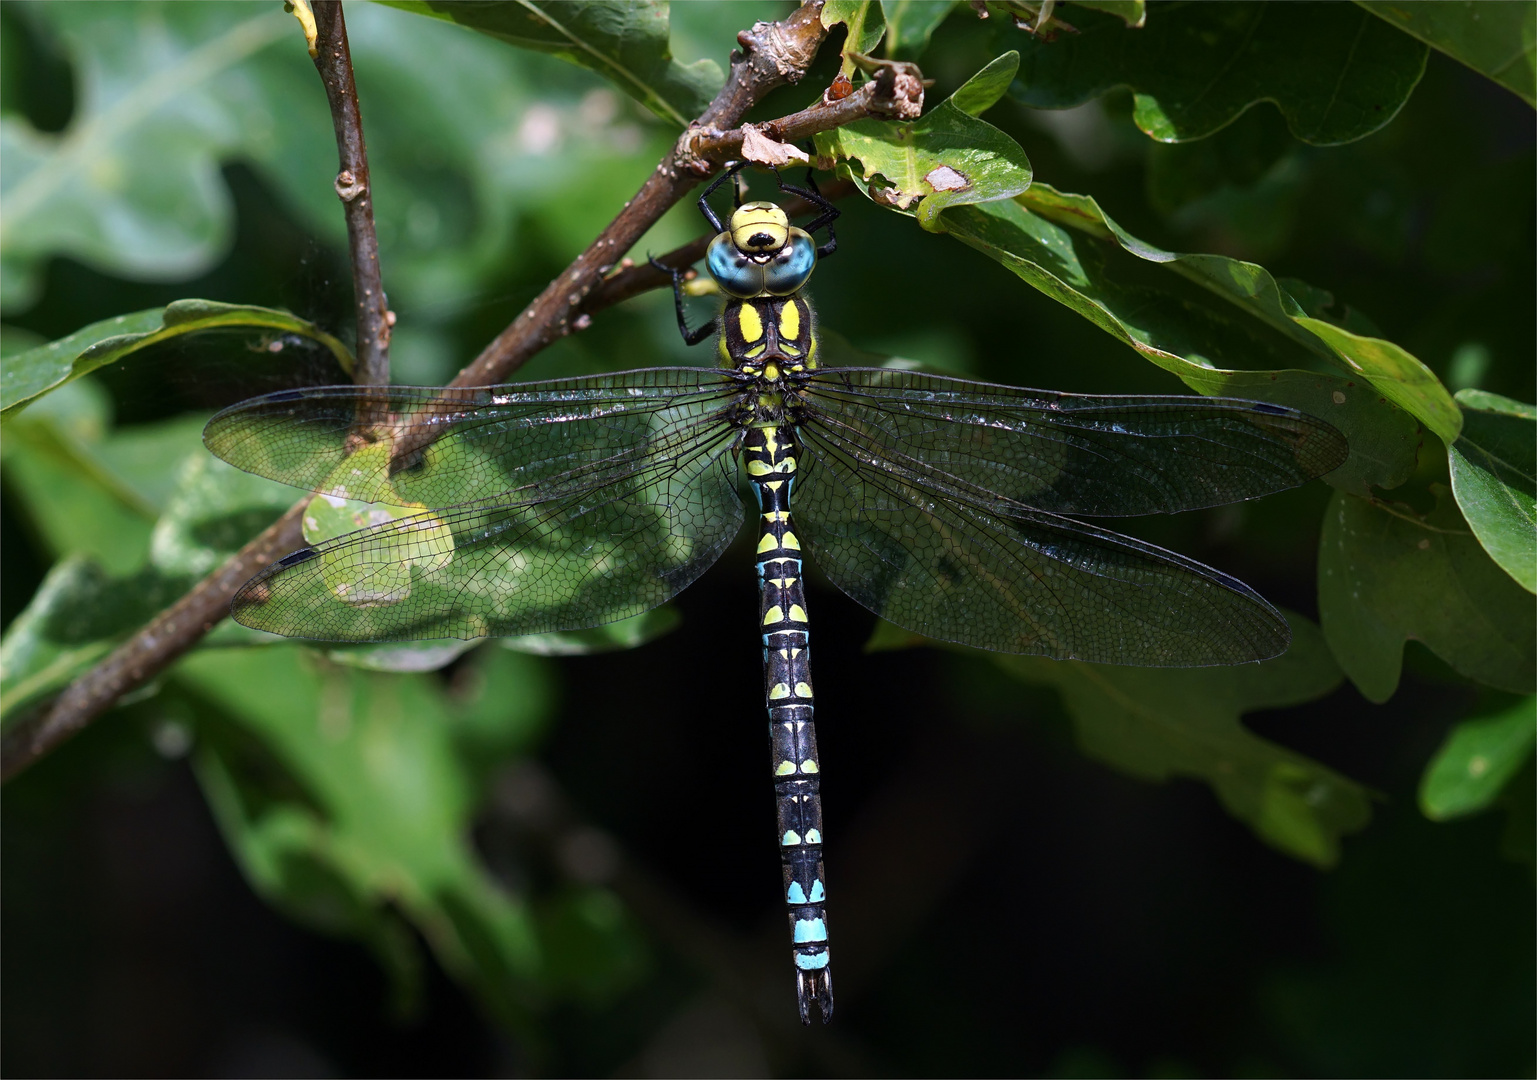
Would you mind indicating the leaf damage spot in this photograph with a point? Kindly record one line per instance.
(944, 178)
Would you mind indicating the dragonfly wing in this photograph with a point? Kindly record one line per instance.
(1001, 576)
(442, 446)
(1072, 453)
(544, 506)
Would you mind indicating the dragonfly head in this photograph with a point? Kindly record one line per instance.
(760, 253)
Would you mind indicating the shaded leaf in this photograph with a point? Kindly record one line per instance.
(946, 158)
(1132, 12)
(1336, 73)
(343, 796)
(911, 23)
(626, 43)
(1479, 757)
(1387, 574)
(31, 374)
(1494, 477)
(1161, 723)
(1497, 40)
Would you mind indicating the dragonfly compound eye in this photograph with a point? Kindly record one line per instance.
(737, 274)
(790, 268)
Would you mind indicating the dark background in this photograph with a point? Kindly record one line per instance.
(1002, 905)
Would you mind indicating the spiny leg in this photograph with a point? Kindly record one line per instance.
(690, 337)
(704, 199)
(829, 213)
(770, 457)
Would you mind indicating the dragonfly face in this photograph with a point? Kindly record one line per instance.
(942, 505)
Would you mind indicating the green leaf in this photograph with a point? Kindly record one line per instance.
(31, 374)
(866, 23)
(1402, 378)
(1187, 314)
(1497, 40)
(947, 158)
(911, 23)
(1387, 574)
(345, 799)
(1162, 723)
(626, 43)
(1479, 757)
(1336, 73)
(1494, 476)
(132, 185)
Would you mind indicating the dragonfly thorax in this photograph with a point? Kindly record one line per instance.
(768, 337)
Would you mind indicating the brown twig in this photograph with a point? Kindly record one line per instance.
(772, 54)
(334, 62)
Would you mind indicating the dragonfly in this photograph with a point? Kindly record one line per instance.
(946, 506)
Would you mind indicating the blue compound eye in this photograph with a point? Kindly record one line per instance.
(790, 268)
(735, 273)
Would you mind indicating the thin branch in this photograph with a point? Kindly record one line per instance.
(334, 62)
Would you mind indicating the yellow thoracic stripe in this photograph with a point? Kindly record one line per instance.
(752, 326)
(790, 321)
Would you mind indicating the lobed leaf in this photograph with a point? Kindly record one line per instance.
(1494, 477)
(29, 375)
(1479, 758)
(1335, 72)
(1497, 40)
(627, 43)
(1387, 574)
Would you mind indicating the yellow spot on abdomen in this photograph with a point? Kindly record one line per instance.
(789, 541)
(779, 691)
(751, 324)
(773, 615)
(768, 543)
(797, 613)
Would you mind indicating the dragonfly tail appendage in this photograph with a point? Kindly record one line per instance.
(770, 456)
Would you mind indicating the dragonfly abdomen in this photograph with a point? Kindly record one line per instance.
(769, 452)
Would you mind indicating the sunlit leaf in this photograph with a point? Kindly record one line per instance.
(29, 375)
(1477, 760)
(1387, 574)
(626, 43)
(1336, 73)
(1494, 476)
(946, 158)
(866, 24)
(1497, 40)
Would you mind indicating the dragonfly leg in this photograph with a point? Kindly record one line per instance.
(829, 213)
(704, 200)
(690, 337)
(770, 455)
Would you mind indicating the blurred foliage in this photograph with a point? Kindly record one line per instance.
(1306, 204)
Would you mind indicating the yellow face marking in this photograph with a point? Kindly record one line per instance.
(773, 615)
(751, 324)
(808, 766)
(790, 321)
(768, 543)
(797, 613)
(779, 691)
(790, 542)
(803, 689)
(759, 226)
(785, 768)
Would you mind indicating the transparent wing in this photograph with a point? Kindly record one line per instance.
(546, 506)
(986, 571)
(1071, 453)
